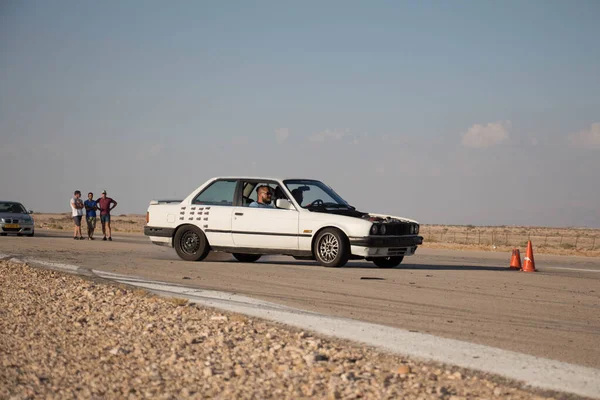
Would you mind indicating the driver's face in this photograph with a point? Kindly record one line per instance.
(264, 196)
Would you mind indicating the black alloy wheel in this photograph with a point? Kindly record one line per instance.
(191, 244)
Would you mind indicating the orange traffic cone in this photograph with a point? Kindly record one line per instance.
(515, 260)
(528, 261)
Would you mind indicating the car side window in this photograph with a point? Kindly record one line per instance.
(220, 193)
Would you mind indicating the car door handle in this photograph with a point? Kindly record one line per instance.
(239, 213)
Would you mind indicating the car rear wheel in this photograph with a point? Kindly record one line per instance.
(388, 262)
(191, 244)
(332, 248)
(247, 257)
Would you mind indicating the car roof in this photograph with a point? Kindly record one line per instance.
(262, 178)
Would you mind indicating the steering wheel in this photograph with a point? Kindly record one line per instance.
(317, 202)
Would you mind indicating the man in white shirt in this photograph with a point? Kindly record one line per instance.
(77, 211)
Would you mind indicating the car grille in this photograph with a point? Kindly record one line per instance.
(11, 221)
(397, 229)
(11, 229)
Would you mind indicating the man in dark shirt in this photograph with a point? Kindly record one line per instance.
(104, 205)
(90, 214)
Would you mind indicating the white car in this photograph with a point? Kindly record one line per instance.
(305, 219)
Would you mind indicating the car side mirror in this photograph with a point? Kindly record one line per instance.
(284, 204)
(30, 212)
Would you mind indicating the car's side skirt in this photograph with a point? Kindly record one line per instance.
(257, 250)
(258, 233)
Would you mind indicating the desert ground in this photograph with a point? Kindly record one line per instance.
(93, 338)
(560, 241)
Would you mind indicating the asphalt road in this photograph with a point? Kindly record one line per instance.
(470, 296)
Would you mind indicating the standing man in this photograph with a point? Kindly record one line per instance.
(104, 205)
(90, 214)
(77, 212)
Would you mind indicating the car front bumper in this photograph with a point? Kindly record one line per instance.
(17, 229)
(385, 246)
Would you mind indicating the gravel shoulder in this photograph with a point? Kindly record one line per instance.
(63, 336)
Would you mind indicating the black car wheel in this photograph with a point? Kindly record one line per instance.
(191, 244)
(388, 262)
(247, 257)
(331, 248)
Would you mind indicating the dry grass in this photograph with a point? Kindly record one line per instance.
(562, 241)
(130, 223)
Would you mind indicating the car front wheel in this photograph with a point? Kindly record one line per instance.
(191, 244)
(388, 262)
(332, 248)
(248, 258)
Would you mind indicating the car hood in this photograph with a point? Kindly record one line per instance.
(382, 218)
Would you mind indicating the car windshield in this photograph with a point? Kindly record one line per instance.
(10, 207)
(315, 194)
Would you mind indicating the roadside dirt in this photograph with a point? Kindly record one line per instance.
(469, 296)
(64, 337)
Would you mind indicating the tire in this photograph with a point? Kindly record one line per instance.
(388, 262)
(190, 243)
(32, 234)
(247, 258)
(3, 234)
(331, 248)
(19, 234)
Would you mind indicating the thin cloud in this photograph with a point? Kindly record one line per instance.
(482, 136)
(587, 138)
(281, 135)
(327, 134)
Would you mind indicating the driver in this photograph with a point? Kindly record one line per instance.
(264, 197)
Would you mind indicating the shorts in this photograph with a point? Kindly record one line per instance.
(77, 219)
(91, 223)
(105, 218)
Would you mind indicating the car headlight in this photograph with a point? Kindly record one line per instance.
(382, 229)
(416, 229)
(2, 220)
(374, 229)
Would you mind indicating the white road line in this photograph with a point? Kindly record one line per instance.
(67, 267)
(571, 269)
(534, 371)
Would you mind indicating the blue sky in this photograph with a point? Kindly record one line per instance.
(466, 112)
